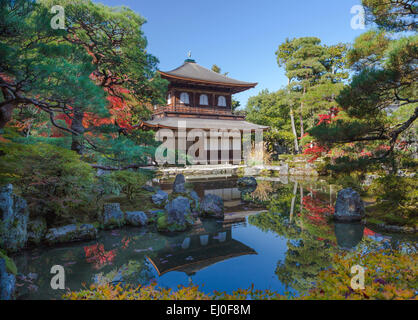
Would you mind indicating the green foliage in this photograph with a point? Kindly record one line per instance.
(315, 73)
(368, 49)
(54, 181)
(352, 179)
(397, 199)
(392, 15)
(272, 109)
(163, 224)
(116, 41)
(10, 265)
(94, 79)
(47, 69)
(379, 106)
(130, 182)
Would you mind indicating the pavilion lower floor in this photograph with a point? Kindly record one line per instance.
(204, 141)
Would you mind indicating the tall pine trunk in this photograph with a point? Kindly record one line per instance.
(6, 110)
(6, 114)
(302, 131)
(77, 126)
(295, 134)
(292, 121)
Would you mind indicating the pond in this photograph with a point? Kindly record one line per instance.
(275, 237)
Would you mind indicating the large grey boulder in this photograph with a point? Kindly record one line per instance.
(178, 210)
(159, 198)
(14, 216)
(177, 216)
(36, 230)
(70, 233)
(7, 282)
(212, 206)
(349, 206)
(179, 185)
(113, 216)
(136, 218)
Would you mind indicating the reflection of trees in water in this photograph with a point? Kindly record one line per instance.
(305, 258)
(136, 272)
(311, 239)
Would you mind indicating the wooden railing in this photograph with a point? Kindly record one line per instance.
(193, 110)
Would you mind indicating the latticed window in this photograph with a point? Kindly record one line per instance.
(184, 98)
(204, 101)
(221, 101)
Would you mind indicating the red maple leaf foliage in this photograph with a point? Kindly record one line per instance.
(120, 113)
(368, 233)
(313, 148)
(97, 255)
(317, 209)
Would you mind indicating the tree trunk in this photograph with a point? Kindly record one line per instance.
(6, 110)
(77, 126)
(295, 134)
(302, 131)
(292, 121)
(292, 206)
(6, 114)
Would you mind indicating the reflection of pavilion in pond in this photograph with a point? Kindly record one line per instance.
(199, 250)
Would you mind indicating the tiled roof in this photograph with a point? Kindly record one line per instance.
(192, 70)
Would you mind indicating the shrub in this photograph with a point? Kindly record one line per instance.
(352, 180)
(10, 265)
(54, 181)
(130, 182)
(397, 199)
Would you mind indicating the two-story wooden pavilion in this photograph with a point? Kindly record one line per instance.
(201, 99)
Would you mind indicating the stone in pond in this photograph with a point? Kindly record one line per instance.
(159, 198)
(177, 217)
(179, 185)
(71, 233)
(14, 216)
(136, 218)
(349, 206)
(212, 206)
(113, 216)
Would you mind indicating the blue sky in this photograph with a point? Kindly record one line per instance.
(240, 36)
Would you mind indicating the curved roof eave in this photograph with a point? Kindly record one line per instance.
(239, 85)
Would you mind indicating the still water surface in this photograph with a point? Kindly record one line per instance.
(274, 237)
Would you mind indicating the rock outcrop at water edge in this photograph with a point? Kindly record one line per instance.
(71, 233)
(212, 206)
(113, 216)
(14, 216)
